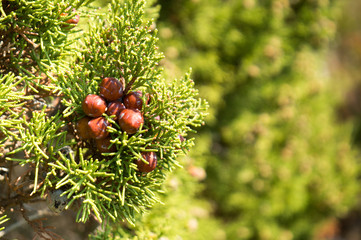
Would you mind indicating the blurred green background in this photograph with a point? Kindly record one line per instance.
(280, 146)
(279, 156)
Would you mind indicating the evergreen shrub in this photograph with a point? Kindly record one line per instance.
(50, 62)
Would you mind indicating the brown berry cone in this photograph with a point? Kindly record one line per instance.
(94, 105)
(72, 21)
(98, 128)
(83, 129)
(151, 158)
(133, 100)
(115, 108)
(103, 145)
(130, 120)
(111, 88)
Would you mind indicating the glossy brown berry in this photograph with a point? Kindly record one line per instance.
(111, 88)
(73, 20)
(94, 105)
(133, 100)
(130, 120)
(83, 129)
(103, 145)
(98, 127)
(151, 158)
(115, 108)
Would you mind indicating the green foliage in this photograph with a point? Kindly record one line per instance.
(9, 99)
(121, 45)
(181, 216)
(124, 46)
(33, 34)
(41, 140)
(11, 102)
(277, 163)
(3, 219)
(286, 166)
(250, 41)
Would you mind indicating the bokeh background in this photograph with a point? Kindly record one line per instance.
(281, 144)
(279, 156)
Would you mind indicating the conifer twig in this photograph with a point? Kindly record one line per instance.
(22, 33)
(129, 85)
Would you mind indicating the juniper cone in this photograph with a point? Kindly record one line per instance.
(150, 163)
(105, 146)
(83, 129)
(94, 105)
(133, 100)
(130, 120)
(115, 108)
(98, 127)
(111, 88)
